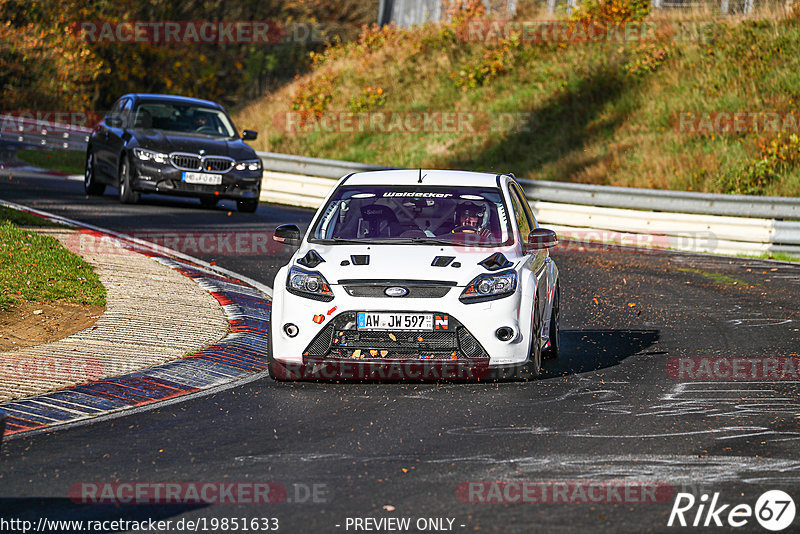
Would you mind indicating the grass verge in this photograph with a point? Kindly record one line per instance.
(38, 268)
(68, 161)
(606, 113)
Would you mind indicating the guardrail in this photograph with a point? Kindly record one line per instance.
(697, 222)
(44, 134)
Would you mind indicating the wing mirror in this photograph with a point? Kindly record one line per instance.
(288, 234)
(249, 135)
(539, 239)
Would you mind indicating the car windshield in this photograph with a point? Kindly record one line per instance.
(183, 118)
(415, 215)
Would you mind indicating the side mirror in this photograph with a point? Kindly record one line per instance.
(288, 234)
(113, 121)
(249, 135)
(539, 239)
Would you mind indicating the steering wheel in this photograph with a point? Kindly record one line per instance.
(206, 129)
(465, 228)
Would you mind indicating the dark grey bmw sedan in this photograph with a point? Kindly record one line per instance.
(174, 145)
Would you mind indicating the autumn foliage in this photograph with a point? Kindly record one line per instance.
(46, 64)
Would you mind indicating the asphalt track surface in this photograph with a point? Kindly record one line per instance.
(607, 409)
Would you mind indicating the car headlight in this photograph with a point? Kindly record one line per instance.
(149, 155)
(252, 165)
(308, 284)
(489, 287)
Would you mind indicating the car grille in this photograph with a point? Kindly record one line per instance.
(340, 339)
(217, 164)
(192, 162)
(185, 161)
(417, 289)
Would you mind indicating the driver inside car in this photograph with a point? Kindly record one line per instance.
(471, 218)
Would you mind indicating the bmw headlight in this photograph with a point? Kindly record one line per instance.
(489, 287)
(252, 165)
(149, 155)
(308, 284)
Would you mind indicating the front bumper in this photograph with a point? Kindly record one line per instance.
(166, 180)
(341, 340)
(327, 332)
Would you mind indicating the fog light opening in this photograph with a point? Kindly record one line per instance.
(291, 329)
(504, 333)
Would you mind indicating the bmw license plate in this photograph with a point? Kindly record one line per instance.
(202, 178)
(395, 321)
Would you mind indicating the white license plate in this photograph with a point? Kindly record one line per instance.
(202, 178)
(395, 321)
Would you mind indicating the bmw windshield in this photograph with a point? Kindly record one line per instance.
(414, 215)
(183, 118)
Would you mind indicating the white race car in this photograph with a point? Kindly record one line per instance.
(420, 275)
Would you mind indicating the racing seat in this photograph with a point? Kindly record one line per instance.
(378, 221)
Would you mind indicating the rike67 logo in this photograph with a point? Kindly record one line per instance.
(774, 510)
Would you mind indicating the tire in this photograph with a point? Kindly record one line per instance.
(126, 193)
(247, 206)
(555, 331)
(208, 202)
(270, 361)
(90, 184)
(273, 367)
(534, 367)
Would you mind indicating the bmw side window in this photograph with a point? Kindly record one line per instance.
(126, 111)
(519, 214)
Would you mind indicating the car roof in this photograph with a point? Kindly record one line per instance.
(410, 177)
(173, 98)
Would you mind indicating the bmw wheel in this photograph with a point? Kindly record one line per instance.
(126, 193)
(90, 183)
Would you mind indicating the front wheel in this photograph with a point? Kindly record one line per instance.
(247, 206)
(90, 183)
(555, 332)
(126, 193)
(535, 363)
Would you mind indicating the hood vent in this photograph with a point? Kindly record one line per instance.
(442, 261)
(360, 259)
(495, 262)
(311, 259)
